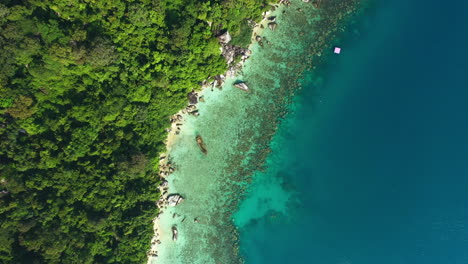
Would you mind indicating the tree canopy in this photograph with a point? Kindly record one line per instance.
(86, 89)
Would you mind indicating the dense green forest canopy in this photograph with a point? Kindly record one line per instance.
(86, 89)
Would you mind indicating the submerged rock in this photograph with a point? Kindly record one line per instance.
(174, 199)
(272, 26)
(242, 85)
(175, 233)
(317, 3)
(195, 113)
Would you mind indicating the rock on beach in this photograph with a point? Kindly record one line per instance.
(174, 199)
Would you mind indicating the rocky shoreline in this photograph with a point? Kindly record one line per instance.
(229, 52)
(166, 166)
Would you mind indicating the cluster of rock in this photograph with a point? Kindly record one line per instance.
(285, 2)
(191, 110)
(165, 167)
(193, 98)
(231, 52)
(166, 199)
(176, 120)
(214, 82)
(152, 252)
(176, 123)
(219, 80)
(272, 25)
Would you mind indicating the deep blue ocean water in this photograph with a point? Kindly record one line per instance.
(374, 156)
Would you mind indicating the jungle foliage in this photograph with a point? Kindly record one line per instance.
(86, 89)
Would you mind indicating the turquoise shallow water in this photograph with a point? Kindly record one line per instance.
(236, 127)
(371, 164)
